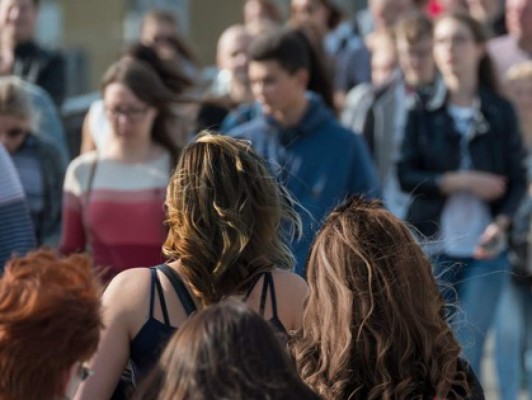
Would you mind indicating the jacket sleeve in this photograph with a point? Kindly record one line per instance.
(516, 159)
(413, 178)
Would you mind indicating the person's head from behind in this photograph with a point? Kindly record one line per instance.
(50, 322)
(383, 57)
(460, 51)
(169, 72)
(279, 71)
(519, 88)
(519, 19)
(369, 278)
(18, 19)
(323, 13)
(227, 217)
(139, 105)
(232, 52)
(413, 35)
(225, 351)
(16, 114)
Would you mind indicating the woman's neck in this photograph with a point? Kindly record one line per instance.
(462, 92)
(132, 152)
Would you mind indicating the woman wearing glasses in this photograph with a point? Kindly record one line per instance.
(38, 162)
(113, 199)
(45, 338)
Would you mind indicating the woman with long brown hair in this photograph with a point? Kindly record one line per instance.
(369, 279)
(227, 218)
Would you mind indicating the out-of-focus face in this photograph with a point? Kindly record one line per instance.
(383, 63)
(311, 11)
(255, 12)
(160, 36)
(387, 12)
(274, 88)
(416, 61)
(18, 19)
(520, 91)
(455, 50)
(233, 54)
(519, 18)
(131, 119)
(13, 132)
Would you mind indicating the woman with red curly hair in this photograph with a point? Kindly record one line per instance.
(50, 321)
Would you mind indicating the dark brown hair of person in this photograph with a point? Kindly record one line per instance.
(147, 86)
(283, 47)
(164, 16)
(487, 76)
(320, 77)
(169, 72)
(374, 325)
(50, 318)
(414, 27)
(228, 218)
(226, 351)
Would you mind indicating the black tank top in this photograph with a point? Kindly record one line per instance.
(149, 342)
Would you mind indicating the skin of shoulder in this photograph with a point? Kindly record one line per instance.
(125, 306)
(291, 291)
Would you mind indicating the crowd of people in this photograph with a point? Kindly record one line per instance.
(342, 212)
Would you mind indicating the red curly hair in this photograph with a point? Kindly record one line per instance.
(50, 318)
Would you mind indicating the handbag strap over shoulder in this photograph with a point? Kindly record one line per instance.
(179, 287)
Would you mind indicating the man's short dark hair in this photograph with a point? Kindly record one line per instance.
(281, 46)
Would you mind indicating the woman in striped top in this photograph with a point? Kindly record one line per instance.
(113, 199)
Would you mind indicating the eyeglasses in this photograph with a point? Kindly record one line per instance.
(129, 113)
(14, 133)
(84, 372)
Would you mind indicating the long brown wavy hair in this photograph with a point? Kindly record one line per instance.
(228, 218)
(374, 325)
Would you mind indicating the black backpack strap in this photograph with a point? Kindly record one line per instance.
(179, 287)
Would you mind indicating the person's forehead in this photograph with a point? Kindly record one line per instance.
(419, 43)
(235, 41)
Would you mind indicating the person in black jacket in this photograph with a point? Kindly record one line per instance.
(463, 162)
(19, 53)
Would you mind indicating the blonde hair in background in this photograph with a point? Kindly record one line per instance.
(15, 102)
(370, 280)
(228, 218)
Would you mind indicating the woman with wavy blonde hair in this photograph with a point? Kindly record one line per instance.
(227, 219)
(369, 278)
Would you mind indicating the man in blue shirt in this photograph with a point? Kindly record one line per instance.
(319, 161)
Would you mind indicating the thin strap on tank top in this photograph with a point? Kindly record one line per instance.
(272, 294)
(267, 286)
(156, 286)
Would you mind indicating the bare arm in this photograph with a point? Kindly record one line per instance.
(121, 304)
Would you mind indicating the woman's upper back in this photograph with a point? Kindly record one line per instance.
(158, 308)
